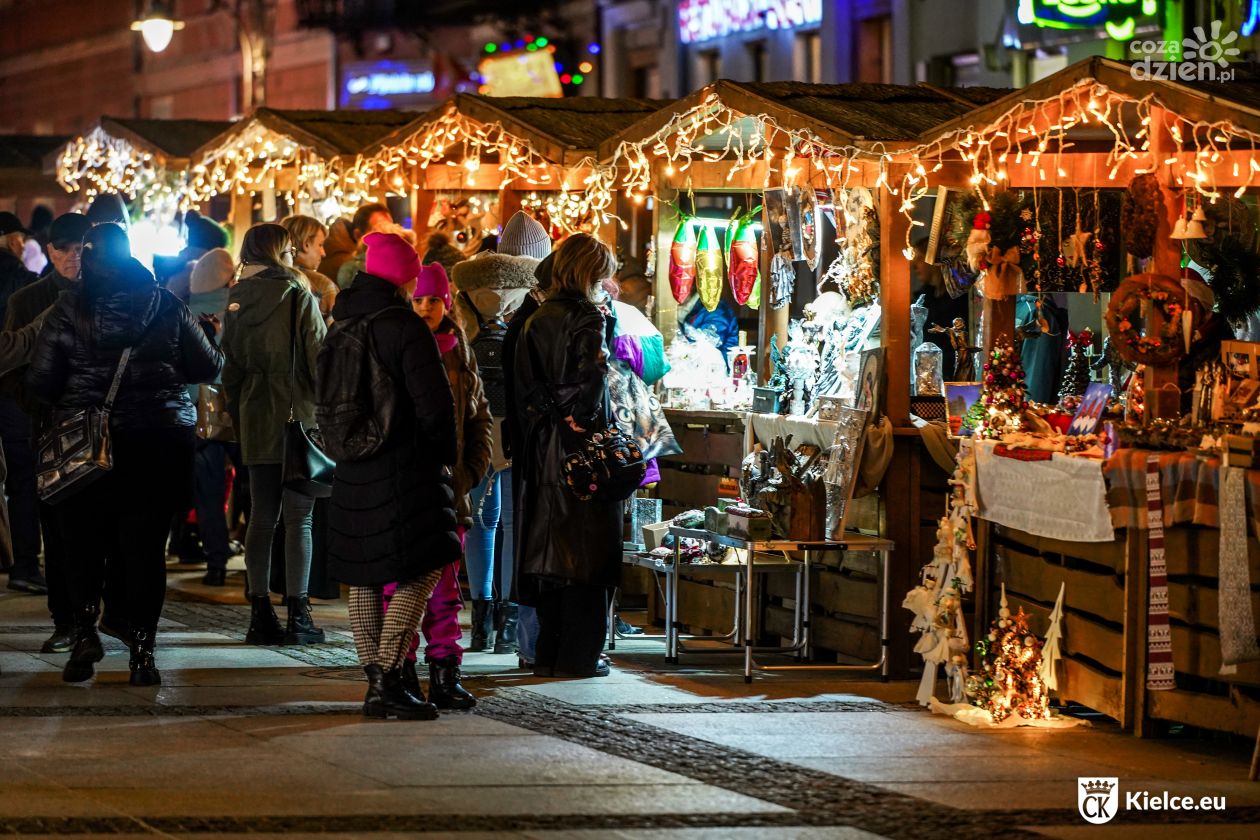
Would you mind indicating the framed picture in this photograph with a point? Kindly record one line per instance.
(869, 393)
(961, 399)
(827, 407)
(939, 248)
(1093, 404)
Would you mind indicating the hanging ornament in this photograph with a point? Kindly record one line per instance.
(709, 269)
(809, 227)
(682, 261)
(743, 261)
(978, 241)
(783, 279)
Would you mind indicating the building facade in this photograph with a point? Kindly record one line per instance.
(671, 47)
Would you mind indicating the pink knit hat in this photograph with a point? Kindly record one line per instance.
(433, 282)
(390, 257)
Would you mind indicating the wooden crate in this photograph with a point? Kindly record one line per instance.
(713, 449)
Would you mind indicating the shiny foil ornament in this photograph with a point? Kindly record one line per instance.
(743, 262)
(682, 262)
(709, 269)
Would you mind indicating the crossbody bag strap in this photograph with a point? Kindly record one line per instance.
(292, 349)
(118, 375)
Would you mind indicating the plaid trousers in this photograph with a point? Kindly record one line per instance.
(383, 637)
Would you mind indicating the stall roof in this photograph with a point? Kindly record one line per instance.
(841, 114)
(27, 151)
(560, 130)
(173, 139)
(329, 133)
(1237, 100)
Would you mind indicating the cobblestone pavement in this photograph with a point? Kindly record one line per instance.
(246, 742)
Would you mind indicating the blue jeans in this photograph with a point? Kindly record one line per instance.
(492, 521)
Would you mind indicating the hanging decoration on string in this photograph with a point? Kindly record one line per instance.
(743, 262)
(993, 242)
(682, 261)
(709, 269)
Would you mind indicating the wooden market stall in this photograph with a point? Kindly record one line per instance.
(275, 162)
(1180, 159)
(534, 153)
(145, 160)
(735, 142)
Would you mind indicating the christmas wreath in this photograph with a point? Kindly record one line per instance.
(1144, 292)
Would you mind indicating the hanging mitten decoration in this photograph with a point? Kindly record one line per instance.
(709, 269)
(682, 262)
(783, 281)
(743, 260)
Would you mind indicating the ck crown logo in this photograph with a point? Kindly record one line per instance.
(1204, 58)
(1098, 799)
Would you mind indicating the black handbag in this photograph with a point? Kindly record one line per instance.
(603, 464)
(305, 468)
(78, 449)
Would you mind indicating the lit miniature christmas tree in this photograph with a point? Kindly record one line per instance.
(1003, 395)
(1076, 375)
(1008, 681)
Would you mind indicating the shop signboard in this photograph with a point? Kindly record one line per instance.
(705, 20)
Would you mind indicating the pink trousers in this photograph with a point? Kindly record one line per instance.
(440, 625)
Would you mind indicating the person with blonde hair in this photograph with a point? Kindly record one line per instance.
(569, 552)
(271, 335)
(308, 235)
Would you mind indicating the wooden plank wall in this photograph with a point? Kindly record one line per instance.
(1104, 627)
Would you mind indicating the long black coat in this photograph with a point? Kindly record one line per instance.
(392, 516)
(561, 351)
(82, 340)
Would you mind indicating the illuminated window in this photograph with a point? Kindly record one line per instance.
(807, 61)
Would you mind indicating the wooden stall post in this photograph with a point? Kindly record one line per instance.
(666, 309)
(769, 321)
(894, 301)
(1163, 399)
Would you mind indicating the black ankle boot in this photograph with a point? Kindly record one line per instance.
(505, 616)
(482, 626)
(264, 626)
(387, 698)
(411, 680)
(301, 629)
(87, 650)
(143, 669)
(444, 688)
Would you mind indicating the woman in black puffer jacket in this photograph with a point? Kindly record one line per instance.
(124, 516)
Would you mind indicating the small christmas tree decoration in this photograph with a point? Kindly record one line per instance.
(1008, 681)
(1003, 394)
(1076, 375)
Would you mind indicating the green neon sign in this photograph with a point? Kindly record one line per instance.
(1120, 18)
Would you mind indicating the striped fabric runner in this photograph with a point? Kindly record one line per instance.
(1159, 661)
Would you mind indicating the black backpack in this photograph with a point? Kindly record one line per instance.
(488, 348)
(355, 396)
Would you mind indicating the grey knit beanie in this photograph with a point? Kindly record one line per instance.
(523, 236)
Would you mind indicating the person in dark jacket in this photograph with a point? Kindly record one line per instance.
(431, 300)
(22, 424)
(527, 616)
(120, 319)
(392, 517)
(570, 552)
(271, 335)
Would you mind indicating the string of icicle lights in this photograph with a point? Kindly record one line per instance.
(99, 162)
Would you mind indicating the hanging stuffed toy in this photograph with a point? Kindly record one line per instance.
(709, 269)
(682, 261)
(978, 241)
(743, 262)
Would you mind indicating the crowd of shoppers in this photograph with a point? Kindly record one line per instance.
(445, 359)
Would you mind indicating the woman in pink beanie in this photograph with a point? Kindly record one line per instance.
(391, 519)
(473, 426)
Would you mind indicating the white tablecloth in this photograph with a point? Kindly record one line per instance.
(766, 427)
(1064, 498)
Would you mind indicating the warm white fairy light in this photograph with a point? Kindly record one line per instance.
(98, 162)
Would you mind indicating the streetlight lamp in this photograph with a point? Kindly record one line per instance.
(157, 26)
